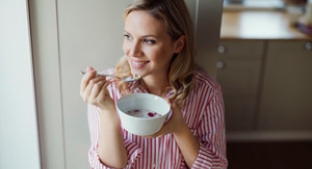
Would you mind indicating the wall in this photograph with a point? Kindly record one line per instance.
(19, 144)
(70, 35)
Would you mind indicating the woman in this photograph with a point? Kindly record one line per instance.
(158, 46)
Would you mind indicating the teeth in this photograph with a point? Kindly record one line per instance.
(138, 63)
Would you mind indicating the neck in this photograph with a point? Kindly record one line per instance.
(156, 86)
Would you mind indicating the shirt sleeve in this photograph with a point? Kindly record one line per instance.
(133, 150)
(211, 134)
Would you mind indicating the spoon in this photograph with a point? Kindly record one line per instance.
(127, 79)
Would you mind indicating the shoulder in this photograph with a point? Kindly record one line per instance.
(204, 88)
(204, 80)
(204, 95)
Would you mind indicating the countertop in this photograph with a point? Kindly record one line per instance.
(259, 25)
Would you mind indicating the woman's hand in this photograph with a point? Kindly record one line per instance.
(174, 125)
(93, 90)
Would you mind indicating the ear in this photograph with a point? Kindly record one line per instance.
(179, 44)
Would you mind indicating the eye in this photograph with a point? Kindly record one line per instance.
(127, 36)
(149, 41)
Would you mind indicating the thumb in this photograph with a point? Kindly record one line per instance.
(174, 106)
(174, 109)
(90, 68)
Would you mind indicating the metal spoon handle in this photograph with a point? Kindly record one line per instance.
(103, 74)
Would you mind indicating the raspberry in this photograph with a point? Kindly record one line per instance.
(150, 114)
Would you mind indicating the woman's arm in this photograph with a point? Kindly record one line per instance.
(188, 145)
(112, 151)
(111, 148)
(203, 147)
(94, 120)
(211, 134)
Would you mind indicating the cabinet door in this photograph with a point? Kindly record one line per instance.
(239, 113)
(239, 81)
(286, 102)
(239, 67)
(239, 78)
(241, 49)
(238, 73)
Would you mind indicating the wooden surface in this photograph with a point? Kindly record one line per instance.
(261, 25)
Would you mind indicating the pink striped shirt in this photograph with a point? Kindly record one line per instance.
(204, 114)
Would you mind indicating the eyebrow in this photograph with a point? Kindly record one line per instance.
(145, 36)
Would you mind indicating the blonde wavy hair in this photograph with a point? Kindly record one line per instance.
(176, 18)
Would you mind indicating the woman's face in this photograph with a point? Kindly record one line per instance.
(147, 45)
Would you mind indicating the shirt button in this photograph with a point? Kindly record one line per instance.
(154, 165)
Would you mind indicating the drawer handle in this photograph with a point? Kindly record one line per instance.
(308, 45)
(221, 49)
(220, 65)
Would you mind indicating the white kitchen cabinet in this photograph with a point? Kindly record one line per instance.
(286, 97)
(239, 65)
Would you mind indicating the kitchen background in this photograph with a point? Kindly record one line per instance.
(264, 59)
(253, 48)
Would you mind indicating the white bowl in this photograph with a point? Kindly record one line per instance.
(142, 101)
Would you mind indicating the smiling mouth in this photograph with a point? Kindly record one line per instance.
(139, 63)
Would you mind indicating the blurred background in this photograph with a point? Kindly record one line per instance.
(260, 51)
(264, 65)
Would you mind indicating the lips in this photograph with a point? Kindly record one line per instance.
(138, 64)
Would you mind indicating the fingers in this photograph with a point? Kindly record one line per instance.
(90, 74)
(103, 90)
(156, 135)
(92, 89)
(175, 108)
(89, 68)
(97, 87)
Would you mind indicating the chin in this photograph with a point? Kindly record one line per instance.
(135, 72)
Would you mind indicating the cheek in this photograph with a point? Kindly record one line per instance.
(125, 47)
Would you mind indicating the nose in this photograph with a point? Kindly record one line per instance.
(135, 49)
